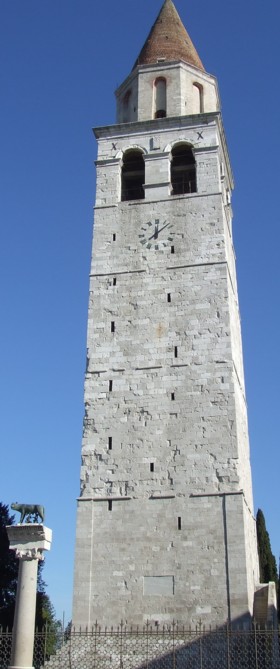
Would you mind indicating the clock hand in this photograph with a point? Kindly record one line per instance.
(164, 226)
(155, 233)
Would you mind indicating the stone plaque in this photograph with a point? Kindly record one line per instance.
(159, 585)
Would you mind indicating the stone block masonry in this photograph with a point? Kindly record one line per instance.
(162, 461)
(165, 526)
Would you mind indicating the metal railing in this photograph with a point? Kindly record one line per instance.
(173, 647)
(133, 193)
(183, 186)
(46, 643)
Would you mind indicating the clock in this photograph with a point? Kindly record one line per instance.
(155, 235)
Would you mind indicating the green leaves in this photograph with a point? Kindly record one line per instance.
(268, 567)
(8, 571)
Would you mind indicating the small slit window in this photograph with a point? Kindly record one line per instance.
(133, 175)
(179, 523)
(160, 97)
(110, 385)
(110, 443)
(152, 467)
(183, 172)
(110, 505)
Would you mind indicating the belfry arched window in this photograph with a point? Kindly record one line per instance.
(160, 97)
(197, 99)
(183, 172)
(133, 175)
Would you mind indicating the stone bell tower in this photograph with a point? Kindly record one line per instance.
(165, 526)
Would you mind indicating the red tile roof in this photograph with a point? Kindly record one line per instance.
(168, 40)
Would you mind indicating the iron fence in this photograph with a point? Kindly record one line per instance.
(173, 647)
(46, 643)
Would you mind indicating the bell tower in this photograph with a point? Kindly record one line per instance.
(165, 526)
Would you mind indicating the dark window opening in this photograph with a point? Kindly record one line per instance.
(160, 113)
(172, 249)
(133, 175)
(110, 443)
(168, 297)
(114, 236)
(183, 173)
(173, 396)
(152, 467)
(110, 505)
(175, 351)
(179, 523)
(114, 281)
(112, 326)
(160, 97)
(110, 385)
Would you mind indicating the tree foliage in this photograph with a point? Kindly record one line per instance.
(8, 571)
(278, 594)
(268, 567)
(45, 618)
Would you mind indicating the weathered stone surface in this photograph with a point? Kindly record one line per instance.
(165, 478)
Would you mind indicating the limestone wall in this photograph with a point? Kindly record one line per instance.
(189, 90)
(165, 526)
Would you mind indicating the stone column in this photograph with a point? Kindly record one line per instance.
(28, 541)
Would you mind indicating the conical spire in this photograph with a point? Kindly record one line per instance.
(168, 40)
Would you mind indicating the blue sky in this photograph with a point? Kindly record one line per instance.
(61, 61)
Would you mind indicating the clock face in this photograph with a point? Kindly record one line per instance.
(156, 235)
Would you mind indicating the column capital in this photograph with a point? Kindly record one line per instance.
(29, 540)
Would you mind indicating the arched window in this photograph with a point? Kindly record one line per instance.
(197, 99)
(133, 175)
(160, 97)
(183, 173)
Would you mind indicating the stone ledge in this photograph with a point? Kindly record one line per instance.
(29, 539)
